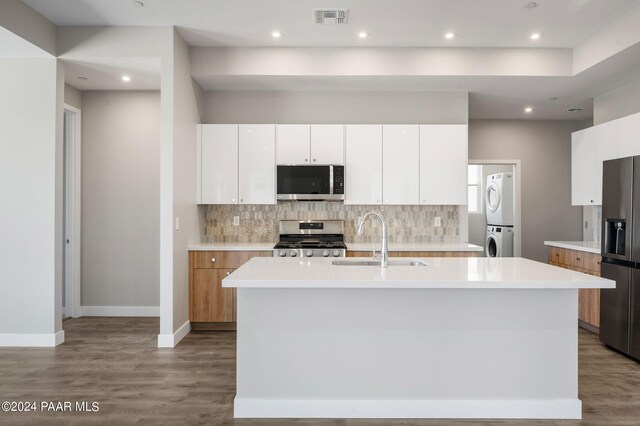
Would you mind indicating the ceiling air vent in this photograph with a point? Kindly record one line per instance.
(574, 109)
(334, 16)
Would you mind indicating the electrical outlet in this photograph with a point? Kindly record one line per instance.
(236, 220)
(177, 223)
(437, 221)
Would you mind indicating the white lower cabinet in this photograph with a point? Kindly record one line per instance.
(400, 164)
(443, 164)
(363, 164)
(218, 164)
(257, 164)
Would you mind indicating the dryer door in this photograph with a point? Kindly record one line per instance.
(492, 246)
(493, 197)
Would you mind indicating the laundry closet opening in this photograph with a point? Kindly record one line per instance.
(493, 207)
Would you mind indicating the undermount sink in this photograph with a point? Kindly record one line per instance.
(393, 262)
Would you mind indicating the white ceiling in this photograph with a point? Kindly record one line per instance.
(486, 23)
(106, 73)
(391, 23)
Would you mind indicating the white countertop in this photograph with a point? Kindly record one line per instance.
(231, 247)
(350, 247)
(416, 247)
(586, 246)
(441, 273)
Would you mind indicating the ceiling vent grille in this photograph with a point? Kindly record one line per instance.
(574, 109)
(334, 16)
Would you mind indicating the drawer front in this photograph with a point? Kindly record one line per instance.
(556, 255)
(592, 262)
(224, 259)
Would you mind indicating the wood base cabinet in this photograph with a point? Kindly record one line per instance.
(212, 306)
(588, 299)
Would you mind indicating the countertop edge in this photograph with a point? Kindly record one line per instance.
(400, 247)
(573, 245)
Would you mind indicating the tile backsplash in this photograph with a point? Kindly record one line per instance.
(259, 223)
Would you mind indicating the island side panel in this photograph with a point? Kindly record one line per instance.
(512, 347)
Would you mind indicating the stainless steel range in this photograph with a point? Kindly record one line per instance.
(311, 238)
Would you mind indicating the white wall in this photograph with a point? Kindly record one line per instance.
(72, 96)
(544, 149)
(617, 103)
(186, 116)
(120, 199)
(255, 107)
(30, 213)
(180, 114)
(478, 221)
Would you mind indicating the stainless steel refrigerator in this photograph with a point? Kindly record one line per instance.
(620, 307)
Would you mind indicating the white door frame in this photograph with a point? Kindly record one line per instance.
(72, 211)
(517, 234)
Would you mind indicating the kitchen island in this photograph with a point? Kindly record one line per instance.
(457, 338)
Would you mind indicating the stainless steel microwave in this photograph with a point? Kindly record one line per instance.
(310, 183)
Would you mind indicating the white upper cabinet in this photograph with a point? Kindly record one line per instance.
(294, 141)
(443, 164)
(589, 148)
(629, 136)
(583, 162)
(327, 144)
(401, 164)
(257, 168)
(606, 149)
(218, 164)
(363, 165)
(302, 144)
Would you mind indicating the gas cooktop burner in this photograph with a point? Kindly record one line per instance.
(309, 238)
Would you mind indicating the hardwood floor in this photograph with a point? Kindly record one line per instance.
(115, 362)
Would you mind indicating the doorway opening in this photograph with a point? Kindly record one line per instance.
(71, 216)
(478, 204)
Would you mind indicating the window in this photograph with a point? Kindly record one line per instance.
(474, 188)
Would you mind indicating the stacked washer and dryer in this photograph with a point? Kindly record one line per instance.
(500, 215)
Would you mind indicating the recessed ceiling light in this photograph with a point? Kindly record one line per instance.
(83, 78)
(363, 34)
(137, 3)
(530, 5)
(535, 36)
(126, 78)
(449, 35)
(528, 110)
(276, 34)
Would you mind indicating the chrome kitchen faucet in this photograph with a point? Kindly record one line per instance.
(384, 260)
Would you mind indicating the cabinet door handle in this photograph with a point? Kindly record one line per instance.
(578, 259)
(306, 160)
(213, 259)
(242, 200)
(314, 160)
(557, 254)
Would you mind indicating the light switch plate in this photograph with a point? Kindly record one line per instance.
(437, 221)
(177, 223)
(236, 220)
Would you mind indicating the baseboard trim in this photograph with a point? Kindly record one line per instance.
(589, 327)
(120, 311)
(408, 409)
(171, 340)
(32, 340)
